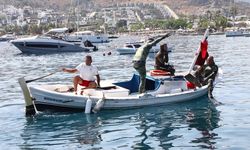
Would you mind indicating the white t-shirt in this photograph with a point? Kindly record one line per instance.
(87, 72)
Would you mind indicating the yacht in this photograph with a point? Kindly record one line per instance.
(77, 37)
(46, 45)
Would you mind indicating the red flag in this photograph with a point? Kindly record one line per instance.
(203, 54)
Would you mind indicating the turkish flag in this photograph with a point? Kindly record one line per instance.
(203, 53)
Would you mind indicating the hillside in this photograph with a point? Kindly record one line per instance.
(186, 7)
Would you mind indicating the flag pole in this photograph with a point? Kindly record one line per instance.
(198, 50)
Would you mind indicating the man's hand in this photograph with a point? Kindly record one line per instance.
(64, 69)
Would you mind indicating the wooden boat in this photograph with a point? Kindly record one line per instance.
(161, 90)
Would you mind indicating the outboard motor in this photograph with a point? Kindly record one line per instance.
(87, 43)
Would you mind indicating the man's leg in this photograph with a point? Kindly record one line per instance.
(77, 80)
(141, 69)
(92, 85)
(142, 72)
(142, 84)
(169, 68)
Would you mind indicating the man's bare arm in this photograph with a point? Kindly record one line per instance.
(158, 60)
(160, 38)
(69, 70)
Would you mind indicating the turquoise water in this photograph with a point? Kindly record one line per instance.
(197, 124)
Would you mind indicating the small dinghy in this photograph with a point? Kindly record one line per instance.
(130, 48)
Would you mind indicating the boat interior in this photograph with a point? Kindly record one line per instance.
(133, 84)
(127, 88)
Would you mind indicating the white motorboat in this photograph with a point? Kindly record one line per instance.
(7, 37)
(82, 36)
(234, 33)
(46, 45)
(130, 48)
(75, 38)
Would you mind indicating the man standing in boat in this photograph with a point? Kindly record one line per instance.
(139, 60)
(88, 74)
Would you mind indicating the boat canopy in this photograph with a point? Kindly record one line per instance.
(57, 30)
(84, 33)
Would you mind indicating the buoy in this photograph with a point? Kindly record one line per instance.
(99, 104)
(30, 109)
(88, 106)
(103, 54)
(159, 73)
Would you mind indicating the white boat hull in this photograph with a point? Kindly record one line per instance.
(234, 33)
(79, 102)
(126, 51)
(37, 45)
(47, 99)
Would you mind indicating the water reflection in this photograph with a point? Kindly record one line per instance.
(147, 128)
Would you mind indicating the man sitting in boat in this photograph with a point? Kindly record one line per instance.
(87, 74)
(161, 60)
(206, 72)
(139, 60)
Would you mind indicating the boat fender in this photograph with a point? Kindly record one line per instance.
(88, 106)
(99, 104)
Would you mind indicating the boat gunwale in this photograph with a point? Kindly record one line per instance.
(130, 97)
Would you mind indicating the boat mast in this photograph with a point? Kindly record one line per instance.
(77, 16)
(69, 14)
(234, 12)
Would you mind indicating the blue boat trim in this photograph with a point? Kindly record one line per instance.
(133, 84)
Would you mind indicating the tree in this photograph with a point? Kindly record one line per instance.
(121, 24)
(203, 23)
(136, 26)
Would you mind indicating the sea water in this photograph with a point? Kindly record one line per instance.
(197, 124)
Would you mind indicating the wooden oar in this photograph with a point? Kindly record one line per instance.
(28, 81)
